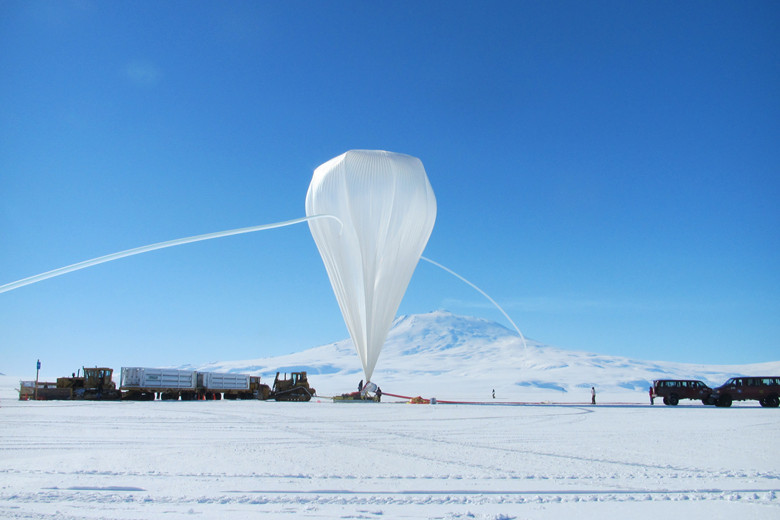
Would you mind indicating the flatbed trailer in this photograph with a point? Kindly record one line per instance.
(47, 391)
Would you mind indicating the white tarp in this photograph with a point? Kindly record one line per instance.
(387, 209)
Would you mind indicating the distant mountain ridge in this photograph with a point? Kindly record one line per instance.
(443, 354)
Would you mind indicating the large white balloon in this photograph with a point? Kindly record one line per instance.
(387, 209)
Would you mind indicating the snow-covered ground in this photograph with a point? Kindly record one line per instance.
(254, 459)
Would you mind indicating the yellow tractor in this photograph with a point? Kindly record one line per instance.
(294, 389)
(95, 384)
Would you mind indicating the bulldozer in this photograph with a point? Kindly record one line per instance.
(95, 385)
(294, 389)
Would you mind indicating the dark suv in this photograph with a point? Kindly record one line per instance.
(672, 390)
(765, 390)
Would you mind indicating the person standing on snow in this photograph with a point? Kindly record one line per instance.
(592, 395)
(652, 397)
(494, 393)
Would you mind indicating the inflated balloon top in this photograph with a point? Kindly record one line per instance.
(387, 208)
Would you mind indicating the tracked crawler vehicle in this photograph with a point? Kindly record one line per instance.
(294, 389)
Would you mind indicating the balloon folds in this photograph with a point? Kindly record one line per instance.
(388, 209)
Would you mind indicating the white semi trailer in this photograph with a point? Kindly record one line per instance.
(139, 383)
(142, 384)
(234, 386)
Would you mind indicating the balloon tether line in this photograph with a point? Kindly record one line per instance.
(208, 236)
(152, 247)
(525, 345)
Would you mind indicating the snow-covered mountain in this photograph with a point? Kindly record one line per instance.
(446, 356)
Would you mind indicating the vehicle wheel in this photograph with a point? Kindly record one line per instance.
(666, 401)
(772, 401)
(724, 401)
(673, 399)
(708, 401)
(762, 402)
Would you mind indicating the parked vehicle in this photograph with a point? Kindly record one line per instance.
(672, 390)
(96, 384)
(234, 386)
(765, 390)
(294, 389)
(148, 384)
(142, 384)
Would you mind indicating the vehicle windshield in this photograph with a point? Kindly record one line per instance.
(732, 381)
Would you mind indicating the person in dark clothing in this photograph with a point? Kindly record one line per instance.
(494, 393)
(360, 386)
(652, 396)
(592, 395)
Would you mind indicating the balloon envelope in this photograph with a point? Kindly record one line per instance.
(387, 209)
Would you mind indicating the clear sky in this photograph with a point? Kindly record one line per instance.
(607, 171)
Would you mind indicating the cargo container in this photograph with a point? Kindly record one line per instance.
(213, 385)
(232, 386)
(142, 384)
(145, 384)
(220, 381)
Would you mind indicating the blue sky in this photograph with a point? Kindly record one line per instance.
(607, 171)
